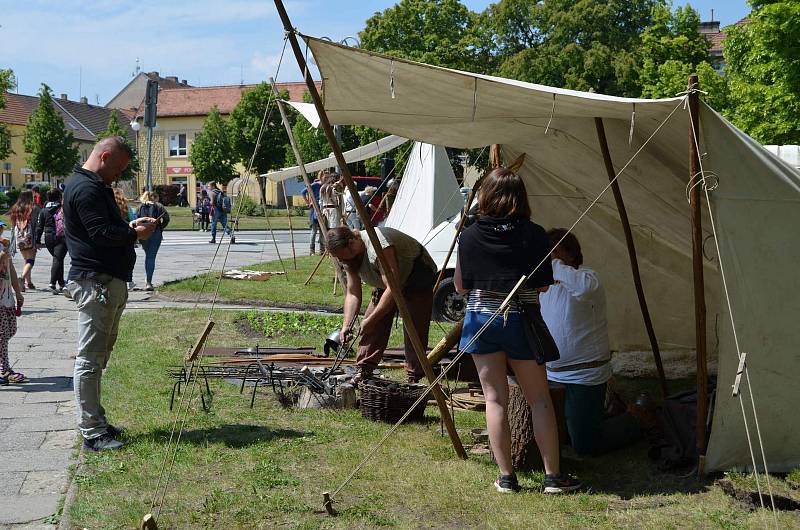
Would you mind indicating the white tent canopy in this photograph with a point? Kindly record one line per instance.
(756, 206)
(428, 192)
(358, 154)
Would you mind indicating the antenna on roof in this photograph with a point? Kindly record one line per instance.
(241, 74)
(712, 15)
(137, 69)
(80, 82)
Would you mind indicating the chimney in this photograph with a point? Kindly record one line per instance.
(711, 26)
(84, 100)
(63, 97)
(183, 82)
(153, 74)
(172, 78)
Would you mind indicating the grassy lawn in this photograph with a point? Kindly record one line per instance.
(281, 291)
(181, 219)
(267, 467)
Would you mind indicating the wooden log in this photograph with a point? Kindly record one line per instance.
(525, 454)
(446, 344)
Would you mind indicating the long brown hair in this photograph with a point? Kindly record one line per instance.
(503, 194)
(122, 203)
(21, 211)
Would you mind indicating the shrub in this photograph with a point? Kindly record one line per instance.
(246, 206)
(13, 195)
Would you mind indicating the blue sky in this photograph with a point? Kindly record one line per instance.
(91, 48)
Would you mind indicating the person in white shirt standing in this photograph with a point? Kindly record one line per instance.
(574, 309)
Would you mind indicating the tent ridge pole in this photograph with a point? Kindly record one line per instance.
(626, 227)
(697, 262)
(394, 285)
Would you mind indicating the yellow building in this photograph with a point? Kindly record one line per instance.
(84, 121)
(181, 114)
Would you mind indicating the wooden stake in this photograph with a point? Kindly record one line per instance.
(394, 285)
(626, 228)
(446, 344)
(148, 522)
(192, 353)
(328, 503)
(695, 182)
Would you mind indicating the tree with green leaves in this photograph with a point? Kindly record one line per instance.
(763, 67)
(439, 32)
(244, 126)
(672, 49)
(116, 128)
(577, 44)
(212, 156)
(50, 147)
(6, 84)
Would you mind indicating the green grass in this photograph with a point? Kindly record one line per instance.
(181, 219)
(280, 291)
(266, 467)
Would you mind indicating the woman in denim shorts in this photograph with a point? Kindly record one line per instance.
(494, 253)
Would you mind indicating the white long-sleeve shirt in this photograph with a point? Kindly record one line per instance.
(574, 309)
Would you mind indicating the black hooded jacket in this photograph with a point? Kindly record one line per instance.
(46, 224)
(98, 239)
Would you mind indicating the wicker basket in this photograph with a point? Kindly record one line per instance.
(384, 400)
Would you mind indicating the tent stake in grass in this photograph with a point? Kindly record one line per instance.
(149, 522)
(328, 503)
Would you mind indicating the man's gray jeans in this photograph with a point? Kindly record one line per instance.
(101, 301)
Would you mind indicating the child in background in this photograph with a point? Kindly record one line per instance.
(10, 304)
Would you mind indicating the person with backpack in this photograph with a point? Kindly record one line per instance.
(204, 208)
(51, 225)
(24, 216)
(151, 208)
(220, 208)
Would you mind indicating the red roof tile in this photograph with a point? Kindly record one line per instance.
(199, 101)
(18, 108)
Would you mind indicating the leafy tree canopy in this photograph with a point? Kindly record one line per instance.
(244, 126)
(764, 72)
(115, 128)
(439, 32)
(6, 84)
(212, 155)
(50, 147)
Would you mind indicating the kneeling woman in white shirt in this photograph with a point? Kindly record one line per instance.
(574, 309)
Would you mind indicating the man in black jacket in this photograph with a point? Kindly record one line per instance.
(100, 245)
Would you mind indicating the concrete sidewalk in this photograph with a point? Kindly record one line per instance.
(38, 436)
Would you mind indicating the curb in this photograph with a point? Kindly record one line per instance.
(64, 522)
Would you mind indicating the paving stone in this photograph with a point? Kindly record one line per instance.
(36, 460)
(44, 483)
(66, 408)
(48, 396)
(60, 440)
(55, 422)
(4, 424)
(27, 411)
(11, 482)
(10, 397)
(27, 508)
(20, 441)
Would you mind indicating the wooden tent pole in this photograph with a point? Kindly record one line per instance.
(695, 182)
(626, 228)
(291, 228)
(394, 285)
(323, 222)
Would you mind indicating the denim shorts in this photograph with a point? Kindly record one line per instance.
(503, 334)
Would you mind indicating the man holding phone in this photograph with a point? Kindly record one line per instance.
(101, 247)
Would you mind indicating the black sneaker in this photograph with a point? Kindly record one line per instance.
(506, 484)
(103, 442)
(561, 483)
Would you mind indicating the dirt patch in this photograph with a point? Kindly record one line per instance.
(261, 304)
(750, 500)
(677, 363)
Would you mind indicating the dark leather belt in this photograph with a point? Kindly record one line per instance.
(580, 366)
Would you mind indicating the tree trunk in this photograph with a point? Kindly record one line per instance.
(524, 451)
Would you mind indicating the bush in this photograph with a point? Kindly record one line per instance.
(167, 194)
(5, 202)
(13, 195)
(247, 207)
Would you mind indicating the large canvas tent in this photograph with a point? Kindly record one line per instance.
(756, 206)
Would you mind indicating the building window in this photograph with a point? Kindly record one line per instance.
(177, 145)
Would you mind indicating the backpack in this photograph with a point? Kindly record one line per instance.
(223, 202)
(59, 221)
(24, 237)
